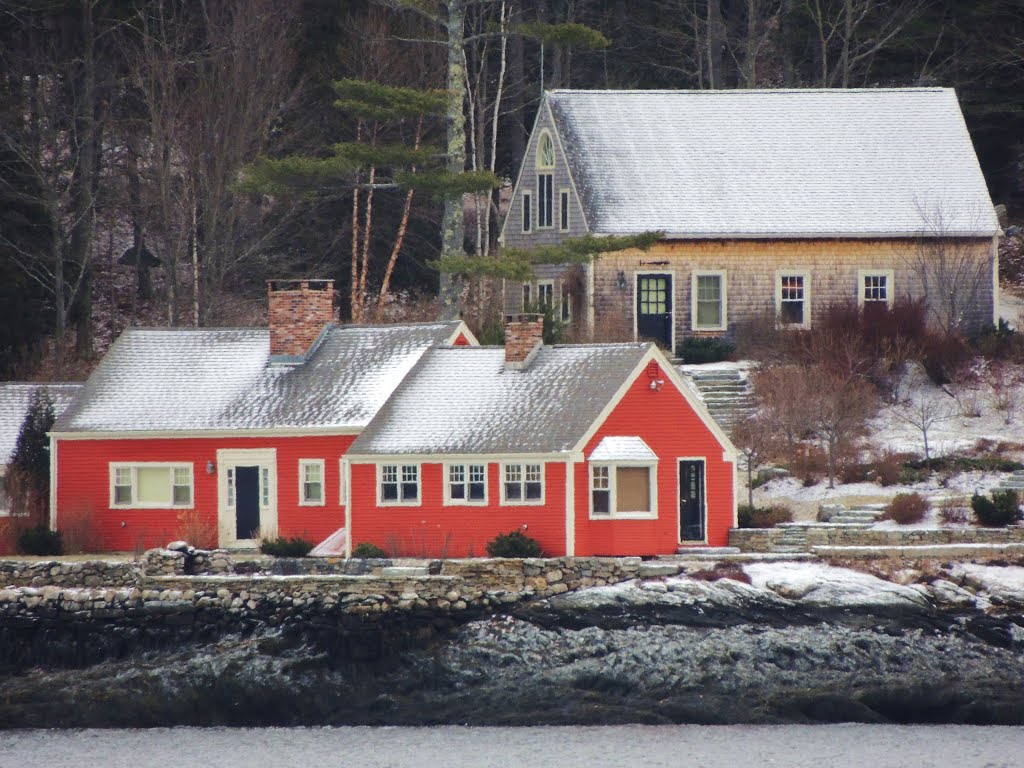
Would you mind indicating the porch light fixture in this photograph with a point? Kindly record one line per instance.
(622, 280)
(210, 467)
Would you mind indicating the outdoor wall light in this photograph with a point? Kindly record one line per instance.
(622, 280)
(210, 467)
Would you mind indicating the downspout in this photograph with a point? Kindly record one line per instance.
(570, 507)
(348, 511)
(53, 483)
(995, 280)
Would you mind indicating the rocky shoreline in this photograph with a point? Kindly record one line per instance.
(799, 643)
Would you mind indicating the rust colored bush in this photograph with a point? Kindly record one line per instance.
(197, 529)
(77, 530)
(945, 357)
(906, 508)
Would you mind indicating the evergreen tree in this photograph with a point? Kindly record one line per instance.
(28, 474)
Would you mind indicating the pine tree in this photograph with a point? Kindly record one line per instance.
(28, 474)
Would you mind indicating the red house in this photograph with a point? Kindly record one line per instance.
(241, 429)
(596, 449)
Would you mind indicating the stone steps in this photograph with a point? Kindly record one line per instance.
(725, 394)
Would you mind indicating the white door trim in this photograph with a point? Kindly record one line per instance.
(229, 458)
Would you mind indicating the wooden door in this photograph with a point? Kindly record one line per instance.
(654, 309)
(692, 523)
(247, 502)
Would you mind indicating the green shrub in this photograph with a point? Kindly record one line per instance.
(906, 508)
(763, 517)
(513, 544)
(1002, 509)
(282, 547)
(364, 550)
(40, 541)
(696, 350)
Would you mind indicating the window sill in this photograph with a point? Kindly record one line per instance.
(460, 503)
(153, 506)
(626, 516)
(399, 504)
(538, 503)
(311, 504)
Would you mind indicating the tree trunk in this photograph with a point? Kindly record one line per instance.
(82, 181)
(143, 281)
(453, 226)
(716, 45)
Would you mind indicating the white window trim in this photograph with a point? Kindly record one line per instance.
(522, 502)
(343, 482)
(172, 465)
(564, 204)
(651, 514)
(540, 198)
(528, 206)
(449, 501)
(863, 274)
(536, 154)
(806, 275)
(549, 285)
(720, 274)
(419, 484)
(303, 501)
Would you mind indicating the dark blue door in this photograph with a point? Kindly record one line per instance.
(247, 501)
(654, 309)
(691, 501)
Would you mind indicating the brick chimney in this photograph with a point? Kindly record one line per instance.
(524, 335)
(298, 311)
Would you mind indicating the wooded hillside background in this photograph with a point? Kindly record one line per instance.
(132, 132)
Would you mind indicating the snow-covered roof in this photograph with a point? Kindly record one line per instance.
(15, 398)
(462, 401)
(194, 379)
(616, 448)
(774, 163)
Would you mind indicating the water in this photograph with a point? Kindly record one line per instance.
(786, 746)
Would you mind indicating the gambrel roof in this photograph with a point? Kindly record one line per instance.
(462, 401)
(15, 399)
(773, 163)
(212, 379)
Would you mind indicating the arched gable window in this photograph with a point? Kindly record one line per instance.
(545, 180)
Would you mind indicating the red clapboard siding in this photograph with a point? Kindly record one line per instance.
(461, 340)
(434, 530)
(672, 429)
(83, 486)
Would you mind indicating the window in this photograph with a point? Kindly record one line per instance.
(526, 297)
(792, 299)
(545, 151)
(563, 210)
(566, 299)
(399, 484)
(524, 484)
(622, 490)
(311, 482)
(875, 288)
(709, 306)
(545, 203)
(343, 482)
(545, 295)
(231, 487)
(467, 484)
(151, 485)
(527, 211)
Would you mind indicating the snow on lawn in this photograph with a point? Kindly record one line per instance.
(823, 585)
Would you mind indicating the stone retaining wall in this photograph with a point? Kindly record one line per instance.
(161, 591)
(767, 539)
(91, 573)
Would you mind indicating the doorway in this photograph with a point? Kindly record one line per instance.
(692, 506)
(247, 495)
(654, 316)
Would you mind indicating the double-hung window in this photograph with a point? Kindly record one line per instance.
(792, 295)
(151, 485)
(709, 302)
(622, 490)
(399, 484)
(467, 484)
(566, 303)
(526, 297)
(545, 295)
(523, 484)
(874, 289)
(311, 482)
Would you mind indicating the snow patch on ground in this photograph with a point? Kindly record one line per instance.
(1003, 584)
(823, 585)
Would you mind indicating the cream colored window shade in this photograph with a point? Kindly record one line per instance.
(633, 489)
(153, 485)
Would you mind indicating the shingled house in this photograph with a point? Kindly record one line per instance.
(772, 203)
(245, 429)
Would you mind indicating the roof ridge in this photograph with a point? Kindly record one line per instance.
(738, 91)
